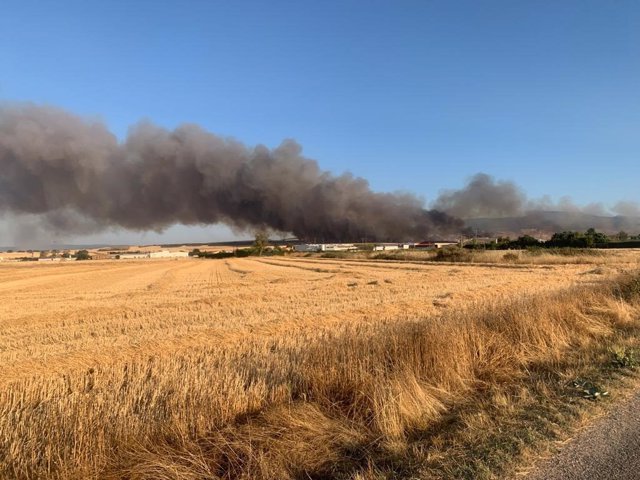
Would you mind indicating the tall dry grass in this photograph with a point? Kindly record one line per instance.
(341, 400)
(552, 256)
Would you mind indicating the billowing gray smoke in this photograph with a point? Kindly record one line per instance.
(76, 173)
(483, 197)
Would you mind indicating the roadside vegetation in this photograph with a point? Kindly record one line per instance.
(529, 256)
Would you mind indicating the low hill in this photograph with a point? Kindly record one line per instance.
(544, 223)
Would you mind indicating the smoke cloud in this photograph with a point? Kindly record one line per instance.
(77, 176)
(484, 198)
(627, 208)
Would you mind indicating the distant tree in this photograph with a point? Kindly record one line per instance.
(587, 239)
(83, 255)
(622, 235)
(44, 253)
(593, 237)
(568, 239)
(527, 241)
(195, 252)
(261, 241)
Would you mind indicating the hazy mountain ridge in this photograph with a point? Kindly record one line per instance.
(545, 223)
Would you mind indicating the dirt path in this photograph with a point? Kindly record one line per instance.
(608, 449)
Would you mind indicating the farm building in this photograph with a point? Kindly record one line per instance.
(337, 247)
(307, 247)
(386, 246)
(130, 256)
(168, 254)
(325, 247)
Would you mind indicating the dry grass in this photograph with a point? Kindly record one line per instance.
(275, 368)
(630, 257)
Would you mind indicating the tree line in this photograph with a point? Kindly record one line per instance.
(571, 239)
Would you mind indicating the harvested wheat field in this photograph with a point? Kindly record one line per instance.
(280, 367)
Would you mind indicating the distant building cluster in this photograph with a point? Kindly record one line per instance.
(137, 255)
(129, 254)
(57, 259)
(346, 247)
(325, 247)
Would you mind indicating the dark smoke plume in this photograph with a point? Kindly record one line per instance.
(78, 175)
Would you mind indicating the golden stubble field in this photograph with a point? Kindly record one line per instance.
(61, 316)
(100, 357)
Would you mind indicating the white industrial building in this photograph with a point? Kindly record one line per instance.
(129, 256)
(168, 254)
(338, 247)
(325, 247)
(388, 246)
(307, 247)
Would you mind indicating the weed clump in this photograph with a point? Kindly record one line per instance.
(625, 357)
(334, 255)
(510, 257)
(453, 254)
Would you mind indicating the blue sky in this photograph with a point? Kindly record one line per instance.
(412, 95)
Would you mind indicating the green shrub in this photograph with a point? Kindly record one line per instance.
(625, 357)
(83, 255)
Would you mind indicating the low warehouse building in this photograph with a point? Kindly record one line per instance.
(307, 247)
(168, 254)
(325, 247)
(338, 247)
(130, 256)
(386, 246)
